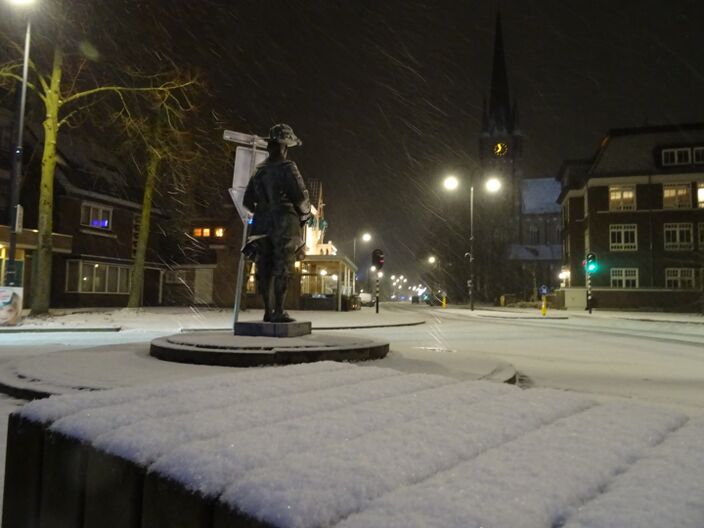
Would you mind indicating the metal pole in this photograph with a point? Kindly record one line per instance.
(11, 272)
(471, 247)
(240, 266)
(589, 291)
(354, 250)
(377, 293)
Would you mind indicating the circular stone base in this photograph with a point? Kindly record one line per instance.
(225, 349)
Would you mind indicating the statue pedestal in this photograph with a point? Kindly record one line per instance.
(262, 329)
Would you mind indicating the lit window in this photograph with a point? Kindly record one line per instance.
(219, 232)
(700, 195)
(206, 231)
(198, 232)
(701, 236)
(622, 197)
(623, 237)
(676, 196)
(624, 277)
(678, 237)
(96, 216)
(679, 278)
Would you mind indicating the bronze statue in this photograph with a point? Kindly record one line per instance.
(279, 200)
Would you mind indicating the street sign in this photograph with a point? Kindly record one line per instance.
(544, 290)
(244, 168)
(19, 219)
(244, 139)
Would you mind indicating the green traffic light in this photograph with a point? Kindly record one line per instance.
(592, 267)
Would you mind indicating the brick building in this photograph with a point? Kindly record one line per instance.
(639, 205)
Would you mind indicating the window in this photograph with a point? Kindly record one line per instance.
(219, 232)
(676, 196)
(622, 197)
(624, 277)
(701, 236)
(698, 155)
(96, 216)
(676, 156)
(623, 237)
(96, 277)
(679, 278)
(206, 231)
(533, 234)
(202, 232)
(700, 195)
(678, 237)
(175, 277)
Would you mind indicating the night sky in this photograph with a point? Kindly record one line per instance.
(387, 95)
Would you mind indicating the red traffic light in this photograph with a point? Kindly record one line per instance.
(378, 258)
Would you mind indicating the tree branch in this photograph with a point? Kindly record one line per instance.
(166, 87)
(9, 75)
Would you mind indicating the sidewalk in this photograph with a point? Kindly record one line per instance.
(534, 313)
(175, 319)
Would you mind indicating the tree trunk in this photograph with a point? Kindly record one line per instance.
(41, 281)
(143, 239)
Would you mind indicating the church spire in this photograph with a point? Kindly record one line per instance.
(500, 118)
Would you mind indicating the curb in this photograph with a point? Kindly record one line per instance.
(41, 330)
(528, 317)
(315, 328)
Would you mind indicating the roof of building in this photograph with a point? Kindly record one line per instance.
(535, 252)
(627, 151)
(539, 196)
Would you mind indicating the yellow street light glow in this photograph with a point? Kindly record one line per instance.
(21, 2)
(451, 183)
(431, 260)
(373, 268)
(380, 274)
(405, 280)
(323, 272)
(393, 277)
(493, 185)
(366, 237)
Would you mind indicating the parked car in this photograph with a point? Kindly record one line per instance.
(366, 299)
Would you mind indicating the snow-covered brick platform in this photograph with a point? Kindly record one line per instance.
(334, 444)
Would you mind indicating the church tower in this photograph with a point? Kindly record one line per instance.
(500, 139)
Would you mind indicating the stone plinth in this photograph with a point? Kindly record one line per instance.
(261, 329)
(225, 349)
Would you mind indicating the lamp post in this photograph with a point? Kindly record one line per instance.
(493, 185)
(366, 237)
(17, 154)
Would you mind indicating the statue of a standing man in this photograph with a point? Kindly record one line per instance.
(279, 199)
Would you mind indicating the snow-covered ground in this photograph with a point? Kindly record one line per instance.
(655, 358)
(333, 444)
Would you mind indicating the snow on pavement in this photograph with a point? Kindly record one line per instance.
(362, 446)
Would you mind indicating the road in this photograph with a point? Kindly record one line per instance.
(659, 362)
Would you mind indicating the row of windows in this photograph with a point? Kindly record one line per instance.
(205, 232)
(83, 276)
(677, 237)
(675, 278)
(682, 156)
(674, 196)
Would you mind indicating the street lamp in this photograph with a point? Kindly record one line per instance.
(492, 185)
(366, 237)
(17, 153)
(431, 259)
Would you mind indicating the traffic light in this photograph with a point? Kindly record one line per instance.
(590, 263)
(378, 259)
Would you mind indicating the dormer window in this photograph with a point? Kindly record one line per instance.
(676, 156)
(698, 155)
(96, 216)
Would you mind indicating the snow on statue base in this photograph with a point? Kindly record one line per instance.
(256, 349)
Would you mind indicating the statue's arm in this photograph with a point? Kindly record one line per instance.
(298, 193)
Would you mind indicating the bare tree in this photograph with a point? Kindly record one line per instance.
(64, 99)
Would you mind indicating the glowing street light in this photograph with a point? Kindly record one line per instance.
(373, 268)
(451, 183)
(323, 272)
(366, 237)
(493, 185)
(431, 259)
